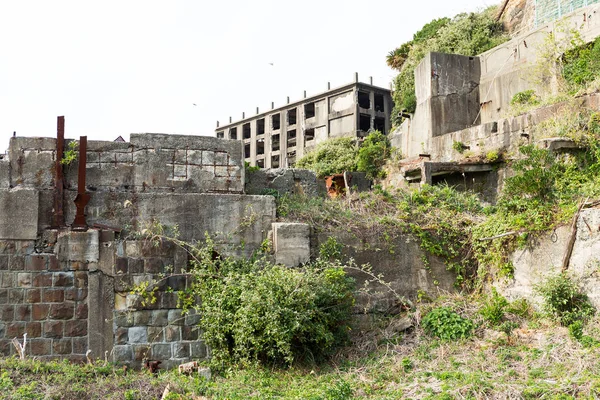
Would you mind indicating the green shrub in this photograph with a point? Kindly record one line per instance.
(494, 308)
(372, 155)
(581, 65)
(254, 311)
(446, 324)
(333, 156)
(528, 97)
(492, 156)
(563, 300)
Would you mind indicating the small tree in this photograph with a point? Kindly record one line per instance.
(333, 156)
(372, 155)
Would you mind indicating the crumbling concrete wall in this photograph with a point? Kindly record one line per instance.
(544, 254)
(502, 72)
(284, 181)
(70, 291)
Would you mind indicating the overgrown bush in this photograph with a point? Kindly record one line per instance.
(446, 324)
(332, 156)
(466, 34)
(563, 300)
(255, 311)
(581, 65)
(372, 155)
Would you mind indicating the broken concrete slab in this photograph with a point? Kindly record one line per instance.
(291, 243)
(83, 247)
(19, 214)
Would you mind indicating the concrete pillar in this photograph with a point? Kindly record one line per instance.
(328, 85)
(217, 124)
(371, 80)
(305, 94)
(288, 99)
(272, 105)
(243, 115)
(372, 109)
(356, 77)
(257, 110)
(230, 119)
(101, 303)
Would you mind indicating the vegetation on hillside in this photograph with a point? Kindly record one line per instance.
(484, 347)
(467, 34)
(335, 156)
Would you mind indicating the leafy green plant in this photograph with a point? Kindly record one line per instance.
(446, 324)
(492, 156)
(333, 156)
(249, 168)
(70, 154)
(563, 300)
(254, 311)
(493, 308)
(372, 155)
(460, 147)
(526, 97)
(581, 64)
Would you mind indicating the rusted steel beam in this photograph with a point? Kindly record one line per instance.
(59, 180)
(82, 197)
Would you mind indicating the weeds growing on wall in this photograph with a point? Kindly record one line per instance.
(466, 34)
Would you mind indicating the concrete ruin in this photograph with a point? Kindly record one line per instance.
(279, 137)
(70, 291)
(463, 101)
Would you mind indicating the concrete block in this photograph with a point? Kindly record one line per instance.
(291, 242)
(81, 247)
(161, 351)
(138, 334)
(4, 173)
(19, 214)
(122, 353)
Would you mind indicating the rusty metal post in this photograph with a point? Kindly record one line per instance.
(59, 179)
(82, 197)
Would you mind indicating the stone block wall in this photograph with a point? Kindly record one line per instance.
(45, 299)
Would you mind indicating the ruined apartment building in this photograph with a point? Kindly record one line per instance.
(279, 137)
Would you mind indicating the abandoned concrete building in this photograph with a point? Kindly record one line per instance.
(279, 137)
(466, 101)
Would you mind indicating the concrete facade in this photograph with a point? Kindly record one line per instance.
(71, 291)
(279, 137)
(480, 95)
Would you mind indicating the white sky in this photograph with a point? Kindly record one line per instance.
(118, 67)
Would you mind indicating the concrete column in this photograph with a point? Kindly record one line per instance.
(101, 303)
(372, 109)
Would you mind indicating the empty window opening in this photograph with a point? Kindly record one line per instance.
(260, 147)
(291, 116)
(379, 124)
(309, 110)
(291, 138)
(276, 121)
(233, 134)
(275, 162)
(220, 135)
(260, 163)
(247, 131)
(275, 142)
(364, 123)
(363, 100)
(260, 126)
(291, 158)
(309, 135)
(379, 102)
(247, 150)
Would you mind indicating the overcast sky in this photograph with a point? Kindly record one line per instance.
(118, 67)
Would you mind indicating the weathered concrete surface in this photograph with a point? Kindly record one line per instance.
(284, 181)
(291, 243)
(32, 161)
(543, 258)
(101, 303)
(19, 214)
(82, 247)
(399, 261)
(4, 173)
